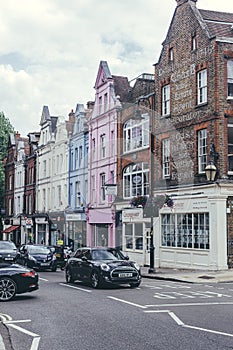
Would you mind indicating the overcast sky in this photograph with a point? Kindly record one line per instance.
(50, 50)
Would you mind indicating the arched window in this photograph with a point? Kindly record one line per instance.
(136, 180)
(136, 133)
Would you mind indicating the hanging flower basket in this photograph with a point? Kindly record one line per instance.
(139, 201)
(154, 204)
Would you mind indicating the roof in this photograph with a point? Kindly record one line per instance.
(219, 24)
(121, 87)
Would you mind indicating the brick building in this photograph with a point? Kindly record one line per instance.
(193, 128)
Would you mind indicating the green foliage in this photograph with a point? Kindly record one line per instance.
(5, 129)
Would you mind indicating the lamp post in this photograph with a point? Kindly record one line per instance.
(148, 102)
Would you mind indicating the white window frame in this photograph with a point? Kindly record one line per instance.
(166, 100)
(166, 157)
(230, 146)
(202, 150)
(187, 230)
(230, 79)
(136, 134)
(136, 180)
(202, 87)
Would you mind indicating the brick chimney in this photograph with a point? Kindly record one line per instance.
(181, 2)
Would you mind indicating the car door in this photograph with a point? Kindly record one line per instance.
(75, 264)
(85, 265)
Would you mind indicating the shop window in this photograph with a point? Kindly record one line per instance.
(202, 87)
(134, 236)
(230, 79)
(166, 100)
(186, 230)
(202, 150)
(136, 180)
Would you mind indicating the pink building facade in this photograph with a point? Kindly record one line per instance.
(102, 163)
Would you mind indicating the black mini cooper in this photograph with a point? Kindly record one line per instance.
(99, 266)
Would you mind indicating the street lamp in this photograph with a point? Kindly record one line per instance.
(210, 171)
(147, 102)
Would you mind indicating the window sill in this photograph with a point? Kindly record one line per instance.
(230, 99)
(201, 104)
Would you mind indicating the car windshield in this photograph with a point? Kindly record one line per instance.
(7, 245)
(38, 250)
(103, 255)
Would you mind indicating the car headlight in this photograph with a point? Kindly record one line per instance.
(136, 266)
(30, 257)
(104, 267)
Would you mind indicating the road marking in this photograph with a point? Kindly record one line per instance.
(17, 321)
(187, 304)
(69, 286)
(128, 302)
(208, 330)
(43, 279)
(176, 318)
(181, 323)
(8, 320)
(23, 330)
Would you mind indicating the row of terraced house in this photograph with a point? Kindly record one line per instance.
(94, 178)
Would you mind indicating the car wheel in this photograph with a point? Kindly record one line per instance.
(135, 284)
(95, 279)
(7, 289)
(69, 276)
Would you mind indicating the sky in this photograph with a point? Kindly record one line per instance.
(50, 50)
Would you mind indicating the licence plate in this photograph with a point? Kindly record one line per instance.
(8, 258)
(125, 274)
(44, 264)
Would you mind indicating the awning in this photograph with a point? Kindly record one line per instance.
(10, 229)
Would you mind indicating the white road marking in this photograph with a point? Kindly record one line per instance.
(128, 302)
(17, 321)
(6, 319)
(78, 288)
(43, 279)
(176, 318)
(187, 304)
(208, 330)
(23, 330)
(181, 323)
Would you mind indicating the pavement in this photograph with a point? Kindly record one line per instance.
(189, 276)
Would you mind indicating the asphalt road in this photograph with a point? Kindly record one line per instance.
(161, 315)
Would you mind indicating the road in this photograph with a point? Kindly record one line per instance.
(158, 315)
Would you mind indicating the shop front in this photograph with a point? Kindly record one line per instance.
(75, 230)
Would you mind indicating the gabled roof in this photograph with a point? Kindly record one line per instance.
(219, 23)
(103, 74)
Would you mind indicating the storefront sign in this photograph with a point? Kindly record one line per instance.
(132, 215)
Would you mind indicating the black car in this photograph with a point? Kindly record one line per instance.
(16, 279)
(99, 266)
(38, 257)
(8, 251)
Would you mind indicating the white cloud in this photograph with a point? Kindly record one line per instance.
(50, 49)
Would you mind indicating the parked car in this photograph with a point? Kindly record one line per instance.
(16, 279)
(36, 256)
(8, 251)
(99, 266)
